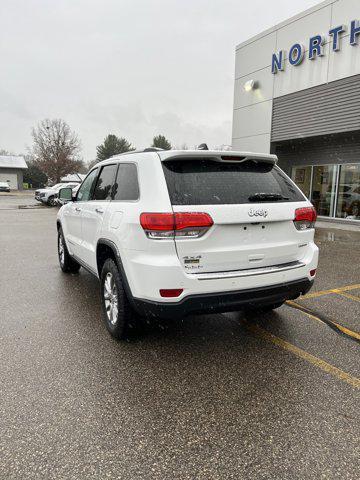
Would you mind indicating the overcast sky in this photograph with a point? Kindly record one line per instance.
(130, 67)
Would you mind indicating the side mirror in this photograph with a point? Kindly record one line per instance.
(65, 194)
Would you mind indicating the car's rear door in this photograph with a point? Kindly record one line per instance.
(94, 212)
(73, 213)
(252, 205)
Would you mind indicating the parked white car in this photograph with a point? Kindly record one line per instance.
(49, 195)
(170, 233)
(4, 187)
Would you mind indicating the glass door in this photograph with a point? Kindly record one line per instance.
(323, 189)
(348, 202)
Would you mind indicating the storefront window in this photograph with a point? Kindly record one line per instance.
(348, 204)
(302, 177)
(323, 189)
(319, 184)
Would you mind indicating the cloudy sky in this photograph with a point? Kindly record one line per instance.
(135, 68)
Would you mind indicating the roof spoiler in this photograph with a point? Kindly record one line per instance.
(272, 160)
(235, 157)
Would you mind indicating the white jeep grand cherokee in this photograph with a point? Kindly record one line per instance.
(170, 233)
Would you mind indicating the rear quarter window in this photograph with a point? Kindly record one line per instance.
(208, 182)
(127, 185)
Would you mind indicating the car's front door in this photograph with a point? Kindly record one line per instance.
(94, 212)
(73, 214)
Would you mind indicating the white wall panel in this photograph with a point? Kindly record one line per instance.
(344, 63)
(344, 11)
(309, 74)
(258, 143)
(301, 30)
(255, 56)
(264, 91)
(11, 178)
(253, 120)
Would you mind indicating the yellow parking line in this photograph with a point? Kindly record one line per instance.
(303, 309)
(334, 325)
(326, 367)
(347, 295)
(347, 288)
(347, 331)
(316, 294)
(333, 290)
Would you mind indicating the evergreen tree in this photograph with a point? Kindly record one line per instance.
(161, 142)
(113, 145)
(34, 176)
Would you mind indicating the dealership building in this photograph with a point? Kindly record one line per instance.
(297, 94)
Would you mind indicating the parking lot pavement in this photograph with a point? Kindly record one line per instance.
(14, 200)
(230, 396)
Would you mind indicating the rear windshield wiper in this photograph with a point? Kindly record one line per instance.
(267, 197)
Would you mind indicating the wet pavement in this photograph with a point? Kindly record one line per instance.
(16, 200)
(272, 396)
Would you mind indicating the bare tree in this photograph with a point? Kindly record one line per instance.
(56, 149)
(92, 163)
(5, 152)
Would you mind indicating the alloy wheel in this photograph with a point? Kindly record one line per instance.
(61, 249)
(111, 298)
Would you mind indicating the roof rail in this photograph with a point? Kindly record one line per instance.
(153, 149)
(148, 149)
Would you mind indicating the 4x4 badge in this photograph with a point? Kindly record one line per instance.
(260, 212)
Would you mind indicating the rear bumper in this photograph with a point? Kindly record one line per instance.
(224, 301)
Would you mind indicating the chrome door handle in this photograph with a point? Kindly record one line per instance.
(99, 210)
(78, 209)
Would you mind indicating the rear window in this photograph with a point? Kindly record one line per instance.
(207, 182)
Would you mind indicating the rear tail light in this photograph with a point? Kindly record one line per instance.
(305, 218)
(171, 225)
(171, 292)
(157, 222)
(313, 272)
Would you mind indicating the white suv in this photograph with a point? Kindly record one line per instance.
(50, 194)
(170, 233)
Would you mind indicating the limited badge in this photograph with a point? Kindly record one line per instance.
(192, 262)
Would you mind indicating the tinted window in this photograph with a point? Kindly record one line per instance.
(87, 187)
(207, 182)
(127, 186)
(103, 188)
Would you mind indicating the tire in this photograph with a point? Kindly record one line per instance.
(118, 315)
(51, 201)
(67, 264)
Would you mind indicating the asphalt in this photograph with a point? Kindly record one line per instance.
(207, 397)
